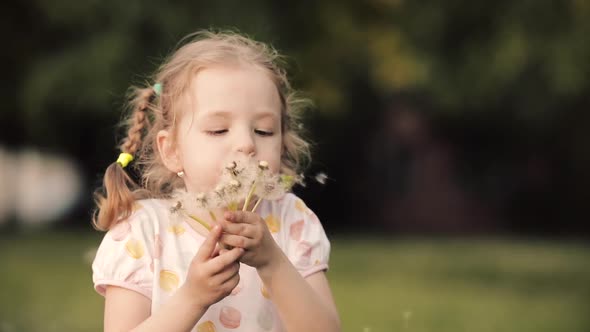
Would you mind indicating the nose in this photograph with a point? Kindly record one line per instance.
(245, 144)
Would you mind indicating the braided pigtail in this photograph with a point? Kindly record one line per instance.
(115, 200)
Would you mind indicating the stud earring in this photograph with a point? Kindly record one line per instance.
(180, 174)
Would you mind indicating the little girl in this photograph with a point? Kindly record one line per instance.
(219, 98)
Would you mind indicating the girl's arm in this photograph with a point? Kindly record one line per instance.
(304, 304)
(127, 310)
(210, 278)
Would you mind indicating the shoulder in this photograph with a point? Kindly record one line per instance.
(125, 255)
(293, 206)
(302, 236)
(153, 209)
(147, 218)
(288, 201)
(292, 215)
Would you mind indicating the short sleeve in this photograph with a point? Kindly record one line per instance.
(124, 256)
(307, 245)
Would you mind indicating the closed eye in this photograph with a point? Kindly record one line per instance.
(216, 132)
(263, 132)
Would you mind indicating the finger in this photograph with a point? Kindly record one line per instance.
(231, 283)
(220, 262)
(217, 250)
(237, 241)
(243, 229)
(241, 217)
(208, 247)
(229, 272)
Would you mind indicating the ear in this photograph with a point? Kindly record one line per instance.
(168, 151)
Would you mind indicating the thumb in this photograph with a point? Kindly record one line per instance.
(208, 247)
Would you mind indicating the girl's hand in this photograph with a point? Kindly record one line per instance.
(247, 230)
(213, 274)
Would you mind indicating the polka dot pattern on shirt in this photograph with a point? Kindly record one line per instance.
(273, 223)
(152, 250)
(169, 280)
(134, 248)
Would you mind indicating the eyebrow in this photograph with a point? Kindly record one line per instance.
(266, 114)
(227, 114)
(216, 114)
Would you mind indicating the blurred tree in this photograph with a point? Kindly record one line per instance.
(506, 82)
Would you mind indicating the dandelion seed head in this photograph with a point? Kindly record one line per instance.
(231, 165)
(176, 207)
(219, 189)
(263, 164)
(233, 192)
(216, 201)
(270, 188)
(287, 181)
(240, 181)
(201, 200)
(250, 172)
(175, 216)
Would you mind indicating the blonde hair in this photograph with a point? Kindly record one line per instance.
(149, 113)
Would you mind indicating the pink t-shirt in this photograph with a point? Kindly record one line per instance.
(150, 253)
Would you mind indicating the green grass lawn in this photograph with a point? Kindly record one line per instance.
(395, 284)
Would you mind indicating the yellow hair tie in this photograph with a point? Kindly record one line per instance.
(124, 159)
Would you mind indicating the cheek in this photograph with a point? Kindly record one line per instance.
(275, 161)
(202, 164)
(203, 177)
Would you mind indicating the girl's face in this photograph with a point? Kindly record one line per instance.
(230, 113)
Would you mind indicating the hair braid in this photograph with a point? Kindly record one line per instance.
(117, 201)
(138, 122)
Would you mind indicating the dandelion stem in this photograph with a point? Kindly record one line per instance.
(202, 222)
(212, 215)
(256, 205)
(247, 201)
(208, 227)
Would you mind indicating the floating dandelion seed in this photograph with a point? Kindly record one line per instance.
(407, 315)
(321, 178)
(301, 180)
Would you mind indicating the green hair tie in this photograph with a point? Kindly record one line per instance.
(157, 89)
